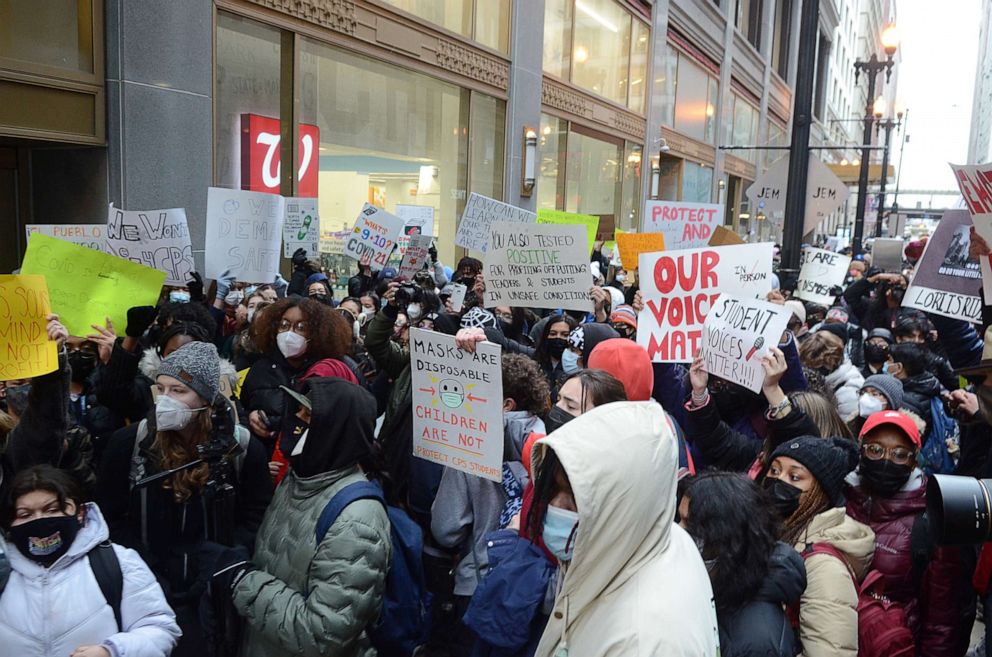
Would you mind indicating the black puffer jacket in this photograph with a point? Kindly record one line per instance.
(917, 391)
(261, 391)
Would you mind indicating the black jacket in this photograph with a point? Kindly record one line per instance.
(917, 391)
(121, 387)
(261, 391)
(100, 421)
(359, 286)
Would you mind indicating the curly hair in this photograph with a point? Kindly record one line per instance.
(329, 333)
(823, 351)
(524, 383)
(174, 450)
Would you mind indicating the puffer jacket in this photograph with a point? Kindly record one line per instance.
(828, 609)
(846, 382)
(315, 600)
(928, 596)
(49, 612)
(261, 389)
(917, 391)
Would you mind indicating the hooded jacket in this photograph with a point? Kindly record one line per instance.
(917, 391)
(636, 584)
(49, 612)
(846, 382)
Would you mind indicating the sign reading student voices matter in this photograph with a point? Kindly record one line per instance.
(457, 404)
(680, 287)
(737, 333)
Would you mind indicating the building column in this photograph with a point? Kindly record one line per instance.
(655, 94)
(159, 107)
(724, 107)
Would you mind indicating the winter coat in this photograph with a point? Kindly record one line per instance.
(49, 612)
(917, 391)
(636, 584)
(315, 600)
(359, 285)
(760, 628)
(261, 389)
(846, 382)
(828, 609)
(99, 421)
(959, 339)
(928, 596)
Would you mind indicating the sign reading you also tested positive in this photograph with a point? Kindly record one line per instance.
(457, 404)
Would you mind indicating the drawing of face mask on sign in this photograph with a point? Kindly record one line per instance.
(451, 392)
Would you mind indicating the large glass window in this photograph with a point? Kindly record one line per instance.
(781, 37)
(490, 25)
(551, 149)
(697, 182)
(592, 174)
(667, 85)
(557, 37)
(748, 20)
(639, 49)
(745, 128)
(56, 33)
(695, 101)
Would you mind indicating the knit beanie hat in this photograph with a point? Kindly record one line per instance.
(624, 314)
(478, 317)
(197, 365)
(889, 386)
(828, 459)
(319, 277)
(585, 337)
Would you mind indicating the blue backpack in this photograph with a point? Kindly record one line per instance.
(934, 456)
(405, 620)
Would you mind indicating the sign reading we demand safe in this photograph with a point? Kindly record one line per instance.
(457, 404)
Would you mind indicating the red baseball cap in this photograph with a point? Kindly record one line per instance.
(896, 419)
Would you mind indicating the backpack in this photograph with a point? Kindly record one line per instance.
(935, 458)
(883, 630)
(405, 621)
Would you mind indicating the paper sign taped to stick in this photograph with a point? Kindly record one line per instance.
(538, 266)
(154, 238)
(419, 216)
(975, 183)
(947, 282)
(886, 254)
(458, 291)
(86, 287)
(244, 230)
(479, 214)
(632, 245)
(416, 255)
(457, 404)
(820, 271)
(590, 221)
(737, 333)
(374, 236)
(685, 225)
(92, 236)
(25, 350)
(680, 287)
(301, 227)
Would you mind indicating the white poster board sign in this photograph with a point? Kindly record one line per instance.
(458, 292)
(92, 236)
(457, 404)
(680, 287)
(685, 225)
(947, 281)
(244, 231)
(821, 270)
(301, 227)
(421, 216)
(155, 238)
(538, 266)
(416, 255)
(479, 214)
(737, 333)
(825, 192)
(374, 236)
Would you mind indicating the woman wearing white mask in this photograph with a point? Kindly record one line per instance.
(880, 392)
(166, 521)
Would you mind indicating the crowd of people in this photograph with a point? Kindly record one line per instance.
(232, 473)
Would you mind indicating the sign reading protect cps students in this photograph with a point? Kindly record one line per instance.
(244, 231)
(154, 238)
(374, 235)
(821, 271)
(457, 404)
(25, 350)
(680, 288)
(685, 225)
(479, 214)
(737, 333)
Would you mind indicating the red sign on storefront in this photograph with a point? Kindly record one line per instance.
(260, 158)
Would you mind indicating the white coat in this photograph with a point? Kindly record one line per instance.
(846, 382)
(49, 612)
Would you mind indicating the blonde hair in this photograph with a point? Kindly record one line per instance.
(822, 351)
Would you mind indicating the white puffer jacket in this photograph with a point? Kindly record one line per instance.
(49, 612)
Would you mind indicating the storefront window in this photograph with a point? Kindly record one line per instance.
(639, 49)
(486, 139)
(56, 33)
(697, 182)
(695, 101)
(591, 175)
(557, 37)
(745, 128)
(551, 148)
(491, 24)
(630, 199)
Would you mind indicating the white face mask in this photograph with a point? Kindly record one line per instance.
(413, 311)
(251, 314)
(869, 405)
(368, 312)
(291, 344)
(172, 414)
(621, 278)
(234, 298)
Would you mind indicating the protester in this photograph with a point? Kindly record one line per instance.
(919, 330)
(824, 353)
(909, 363)
(876, 351)
(551, 346)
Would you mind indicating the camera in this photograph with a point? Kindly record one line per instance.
(959, 509)
(408, 293)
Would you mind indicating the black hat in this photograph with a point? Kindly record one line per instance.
(883, 333)
(829, 460)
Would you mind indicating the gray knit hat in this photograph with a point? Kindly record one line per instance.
(889, 386)
(197, 365)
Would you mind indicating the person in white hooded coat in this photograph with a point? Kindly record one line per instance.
(634, 583)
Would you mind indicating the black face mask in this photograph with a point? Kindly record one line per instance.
(557, 418)
(883, 476)
(876, 353)
(46, 539)
(82, 364)
(897, 294)
(783, 496)
(507, 328)
(322, 298)
(556, 347)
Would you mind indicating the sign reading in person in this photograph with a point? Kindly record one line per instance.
(301, 227)
(820, 272)
(947, 282)
(680, 287)
(88, 235)
(538, 266)
(685, 225)
(457, 404)
(479, 214)
(86, 287)
(244, 231)
(737, 333)
(154, 238)
(416, 255)
(25, 350)
(975, 183)
(374, 236)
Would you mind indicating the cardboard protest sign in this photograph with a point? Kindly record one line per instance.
(154, 238)
(416, 255)
(244, 230)
(723, 236)
(886, 254)
(301, 227)
(737, 333)
(25, 350)
(834, 243)
(457, 404)
(632, 245)
(685, 225)
(479, 214)
(590, 221)
(680, 287)
(975, 183)
(92, 236)
(458, 291)
(86, 287)
(820, 270)
(417, 216)
(538, 266)
(947, 282)
(374, 235)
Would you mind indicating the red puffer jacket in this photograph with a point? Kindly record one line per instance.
(930, 601)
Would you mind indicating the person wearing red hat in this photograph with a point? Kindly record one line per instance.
(887, 492)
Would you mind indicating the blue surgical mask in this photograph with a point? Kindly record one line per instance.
(570, 362)
(178, 296)
(560, 529)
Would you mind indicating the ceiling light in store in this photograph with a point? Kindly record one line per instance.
(581, 55)
(709, 110)
(596, 16)
(546, 130)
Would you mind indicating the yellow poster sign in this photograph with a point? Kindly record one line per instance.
(25, 350)
(632, 245)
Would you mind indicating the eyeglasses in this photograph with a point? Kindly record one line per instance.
(299, 327)
(899, 455)
(506, 317)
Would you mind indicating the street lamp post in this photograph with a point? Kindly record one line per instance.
(888, 125)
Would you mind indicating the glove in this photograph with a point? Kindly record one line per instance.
(300, 259)
(222, 566)
(432, 251)
(281, 284)
(139, 318)
(224, 282)
(195, 287)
